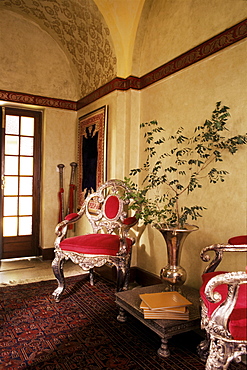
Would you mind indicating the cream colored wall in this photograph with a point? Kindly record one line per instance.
(31, 62)
(59, 146)
(122, 17)
(168, 28)
(187, 99)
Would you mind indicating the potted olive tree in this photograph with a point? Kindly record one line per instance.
(175, 166)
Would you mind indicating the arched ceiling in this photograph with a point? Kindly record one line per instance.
(80, 30)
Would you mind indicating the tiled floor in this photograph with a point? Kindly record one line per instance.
(31, 270)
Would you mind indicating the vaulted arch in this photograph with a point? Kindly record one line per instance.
(80, 30)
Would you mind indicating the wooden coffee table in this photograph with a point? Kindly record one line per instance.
(129, 301)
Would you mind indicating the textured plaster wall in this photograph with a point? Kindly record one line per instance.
(31, 62)
(122, 17)
(59, 146)
(168, 28)
(80, 30)
(187, 99)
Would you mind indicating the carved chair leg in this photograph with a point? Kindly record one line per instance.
(127, 275)
(203, 348)
(220, 355)
(121, 276)
(57, 266)
(91, 276)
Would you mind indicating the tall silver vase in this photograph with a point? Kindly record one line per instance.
(174, 275)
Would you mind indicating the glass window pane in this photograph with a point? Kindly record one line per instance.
(27, 126)
(12, 125)
(26, 166)
(25, 225)
(26, 146)
(10, 206)
(26, 186)
(12, 145)
(11, 165)
(11, 185)
(9, 226)
(25, 206)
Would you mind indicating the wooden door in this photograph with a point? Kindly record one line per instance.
(20, 185)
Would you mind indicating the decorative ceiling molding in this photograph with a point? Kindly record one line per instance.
(202, 51)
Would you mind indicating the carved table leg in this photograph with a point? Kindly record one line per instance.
(163, 351)
(122, 317)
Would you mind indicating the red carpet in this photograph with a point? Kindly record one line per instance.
(81, 332)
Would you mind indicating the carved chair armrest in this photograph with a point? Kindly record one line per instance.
(127, 224)
(232, 279)
(71, 218)
(219, 249)
(220, 316)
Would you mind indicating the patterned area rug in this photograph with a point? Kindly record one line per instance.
(81, 332)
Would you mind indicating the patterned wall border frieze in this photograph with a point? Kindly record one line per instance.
(116, 84)
(200, 52)
(16, 97)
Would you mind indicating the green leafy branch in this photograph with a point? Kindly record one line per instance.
(191, 158)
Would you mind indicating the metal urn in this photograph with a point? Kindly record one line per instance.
(174, 275)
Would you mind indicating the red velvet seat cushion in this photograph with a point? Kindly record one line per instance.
(237, 324)
(96, 244)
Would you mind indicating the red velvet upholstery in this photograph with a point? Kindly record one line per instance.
(129, 220)
(71, 216)
(238, 240)
(94, 244)
(237, 324)
(111, 207)
(222, 289)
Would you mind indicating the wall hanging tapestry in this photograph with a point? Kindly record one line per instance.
(91, 152)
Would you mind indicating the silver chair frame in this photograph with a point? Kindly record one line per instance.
(219, 348)
(99, 221)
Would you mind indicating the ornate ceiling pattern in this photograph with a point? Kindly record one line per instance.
(81, 32)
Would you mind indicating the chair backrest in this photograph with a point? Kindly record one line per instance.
(107, 208)
(238, 240)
